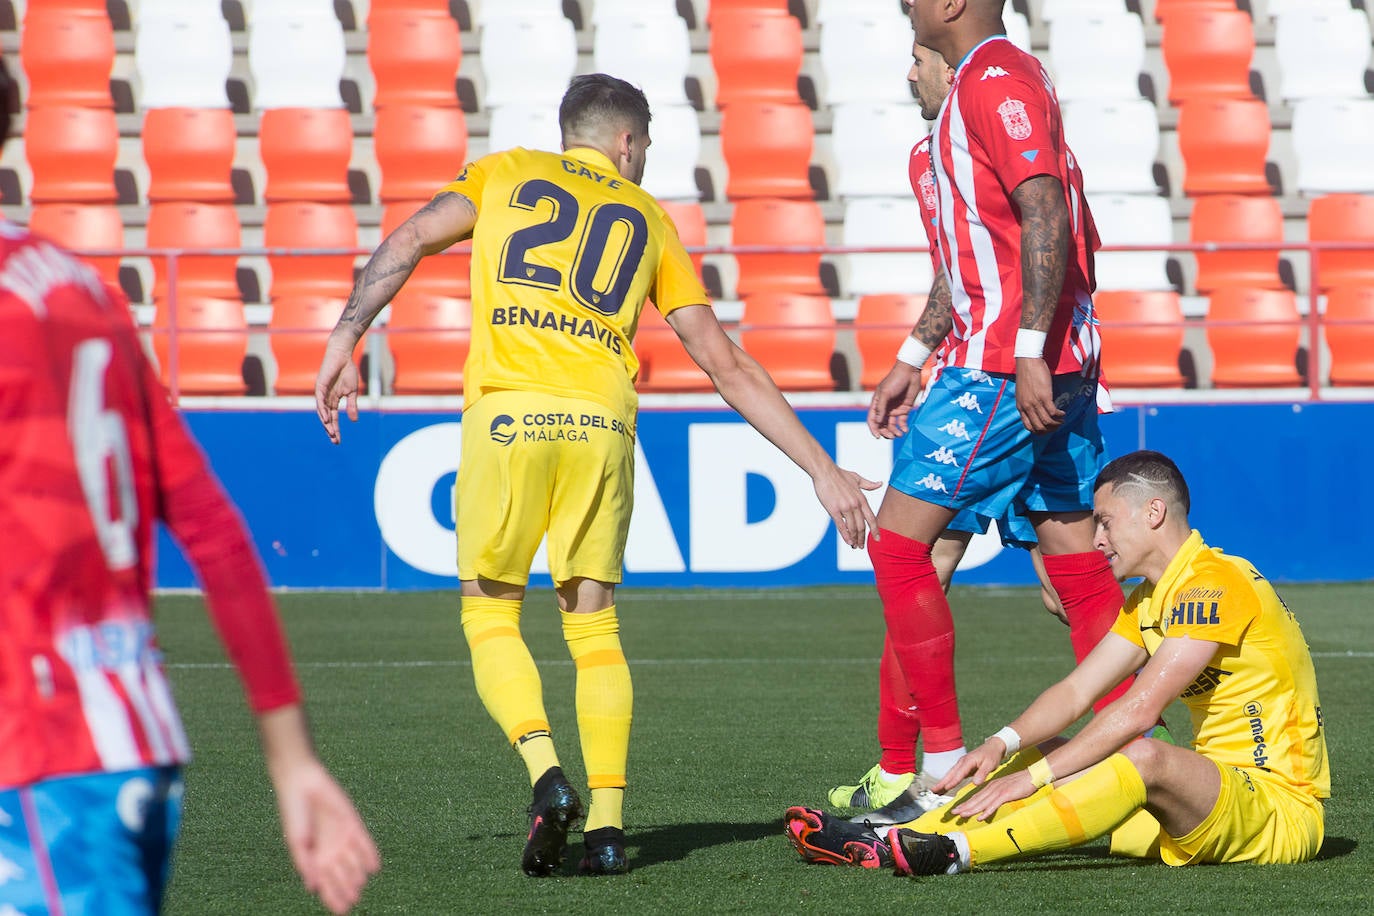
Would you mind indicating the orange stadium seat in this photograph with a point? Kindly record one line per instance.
(414, 56)
(423, 6)
(1207, 53)
(419, 148)
(1142, 337)
(778, 222)
(793, 337)
(428, 336)
(1231, 218)
(1223, 143)
(305, 225)
(690, 220)
(664, 365)
(299, 327)
(1163, 8)
(306, 152)
(1343, 218)
(882, 322)
(448, 274)
(767, 150)
(67, 56)
(190, 153)
(82, 227)
(72, 153)
(716, 7)
(1262, 355)
(195, 226)
(211, 343)
(1350, 334)
(757, 56)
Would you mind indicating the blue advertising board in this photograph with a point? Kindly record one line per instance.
(716, 505)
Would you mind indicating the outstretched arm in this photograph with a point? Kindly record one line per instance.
(747, 387)
(445, 220)
(896, 393)
(1044, 260)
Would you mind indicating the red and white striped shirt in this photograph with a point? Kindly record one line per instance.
(1000, 126)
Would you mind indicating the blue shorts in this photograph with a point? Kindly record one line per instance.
(967, 448)
(95, 843)
(1014, 528)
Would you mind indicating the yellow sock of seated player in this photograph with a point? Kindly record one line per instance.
(507, 680)
(1081, 810)
(605, 699)
(942, 819)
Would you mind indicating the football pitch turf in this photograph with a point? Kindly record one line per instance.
(746, 701)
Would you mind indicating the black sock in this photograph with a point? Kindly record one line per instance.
(604, 836)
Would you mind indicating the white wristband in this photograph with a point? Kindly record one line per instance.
(1010, 738)
(913, 352)
(1030, 344)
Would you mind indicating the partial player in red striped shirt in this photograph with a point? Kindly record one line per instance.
(91, 746)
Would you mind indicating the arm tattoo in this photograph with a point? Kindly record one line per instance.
(937, 320)
(1044, 248)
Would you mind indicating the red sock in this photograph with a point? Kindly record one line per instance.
(1091, 598)
(899, 725)
(921, 631)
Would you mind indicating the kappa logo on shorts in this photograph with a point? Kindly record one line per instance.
(943, 455)
(1014, 119)
(502, 430)
(931, 482)
(969, 401)
(956, 429)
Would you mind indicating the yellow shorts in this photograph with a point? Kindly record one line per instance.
(535, 463)
(1257, 818)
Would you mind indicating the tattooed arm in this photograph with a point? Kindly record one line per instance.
(446, 219)
(1044, 259)
(896, 393)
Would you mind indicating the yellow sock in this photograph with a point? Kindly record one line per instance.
(507, 680)
(942, 819)
(605, 700)
(1081, 810)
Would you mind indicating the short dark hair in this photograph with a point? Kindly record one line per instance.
(1151, 473)
(594, 99)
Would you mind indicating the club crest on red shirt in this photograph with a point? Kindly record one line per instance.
(1013, 112)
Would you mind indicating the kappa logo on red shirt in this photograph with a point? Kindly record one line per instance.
(1014, 119)
(992, 73)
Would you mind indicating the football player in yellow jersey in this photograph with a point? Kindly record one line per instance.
(566, 248)
(1203, 626)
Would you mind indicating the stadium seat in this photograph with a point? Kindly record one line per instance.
(727, 7)
(419, 148)
(871, 144)
(210, 340)
(881, 323)
(306, 152)
(767, 149)
(1343, 218)
(1018, 29)
(414, 57)
(1115, 142)
(448, 274)
(670, 170)
(828, 11)
(861, 57)
(1275, 8)
(1051, 10)
(1229, 218)
(526, 60)
(768, 221)
(428, 336)
(530, 126)
(1254, 336)
(1224, 143)
(310, 225)
(1207, 53)
(1132, 219)
(190, 153)
(651, 50)
(885, 222)
(664, 365)
(298, 329)
(1142, 337)
(1322, 53)
(183, 55)
(690, 220)
(67, 56)
(1350, 334)
(1164, 8)
(605, 10)
(491, 10)
(195, 226)
(1334, 143)
(756, 55)
(793, 337)
(296, 54)
(1097, 56)
(71, 152)
(83, 227)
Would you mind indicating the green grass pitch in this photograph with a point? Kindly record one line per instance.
(745, 702)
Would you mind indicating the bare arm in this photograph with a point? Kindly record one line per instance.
(1044, 260)
(896, 393)
(748, 388)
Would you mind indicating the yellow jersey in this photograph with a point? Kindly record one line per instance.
(564, 254)
(1255, 704)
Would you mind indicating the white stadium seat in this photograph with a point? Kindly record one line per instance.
(296, 55)
(1322, 53)
(886, 222)
(865, 58)
(1132, 219)
(872, 143)
(183, 53)
(829, 11)
(1051, 10)
(527, 61)
(613, 9)
(1275, 8)
(653, 52)
(1018, 29)
(670, 171)
(1115, 141)
(530, 126)
(1098, 56)
(489, 11)
(1334, 143)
